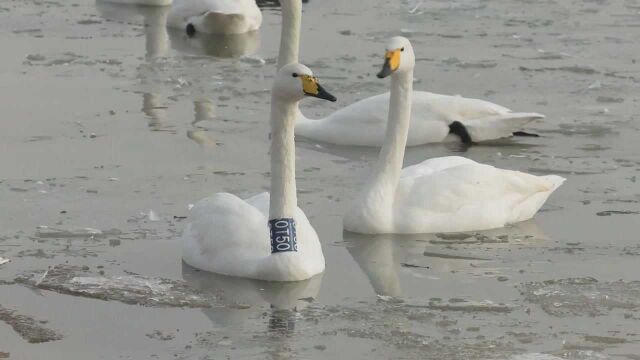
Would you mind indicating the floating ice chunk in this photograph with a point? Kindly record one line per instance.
(595, 85)
(129, 289)
(4, 260)
(58, 233)
(472, 306)
(253, 60)
(153, 216)
(27, 327)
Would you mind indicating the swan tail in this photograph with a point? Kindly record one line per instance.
(499, 126)
(555, 181)
(530, 206)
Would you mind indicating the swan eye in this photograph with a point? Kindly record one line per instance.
(294, 74)
(402, 49)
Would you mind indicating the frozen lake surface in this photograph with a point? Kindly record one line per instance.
(111, 126)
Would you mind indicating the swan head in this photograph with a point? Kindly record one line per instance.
(295, 81)
(398, 57)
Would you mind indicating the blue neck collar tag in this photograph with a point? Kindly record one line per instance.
(283, 235)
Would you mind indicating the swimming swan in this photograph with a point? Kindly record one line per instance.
(258, 238)
(140, 2)
(442, 194)
(434, 118)
(215, 16)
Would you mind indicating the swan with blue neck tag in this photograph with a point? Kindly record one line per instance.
(442, 194)
(215, 16)
(265, 237)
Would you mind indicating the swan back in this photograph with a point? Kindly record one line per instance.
(215, 16)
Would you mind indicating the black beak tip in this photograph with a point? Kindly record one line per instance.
(332, 98)
(386, 71)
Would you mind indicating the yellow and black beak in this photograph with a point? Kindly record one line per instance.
(311, 87)
(391, 63)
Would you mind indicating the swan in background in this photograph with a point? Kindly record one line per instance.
(140, 2)
(215, 16)
(441, 194)
(229, 236)
(435, 118)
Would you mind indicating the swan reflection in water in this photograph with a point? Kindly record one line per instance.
(283, 299)
(220, 46)
(158, 40)
(383, 257)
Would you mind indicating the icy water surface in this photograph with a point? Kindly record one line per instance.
(111, 126)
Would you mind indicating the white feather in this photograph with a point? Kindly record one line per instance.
(216, 16)
(363, 123)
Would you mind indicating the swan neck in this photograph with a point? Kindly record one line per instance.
(290, 33)
(283, 159)
(390, 160)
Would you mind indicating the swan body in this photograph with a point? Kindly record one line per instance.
(215, 16)
(231, 236)
(442, 194)
(453, 193)
(140, 2)
(363, 123)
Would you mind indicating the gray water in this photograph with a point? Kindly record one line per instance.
(111, 128)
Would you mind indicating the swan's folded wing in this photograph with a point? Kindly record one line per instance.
(223, 229)
(457, 107)
(470, 196)
(430, 166)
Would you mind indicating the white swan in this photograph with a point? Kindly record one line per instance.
(215, 16)
(434, 118)
(441, 194)
(230, 236)
(140, 2)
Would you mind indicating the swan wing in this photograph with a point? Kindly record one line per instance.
(461, 196)
(227, 235)
(364, 123)
(230, 236)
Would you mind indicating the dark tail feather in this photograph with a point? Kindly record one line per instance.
(457, 128)
(522, 133)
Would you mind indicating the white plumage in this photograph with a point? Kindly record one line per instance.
(215, 16)
(141, 2)
(363, 123)
(454, 193)
(442, 194)
(229, 236)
